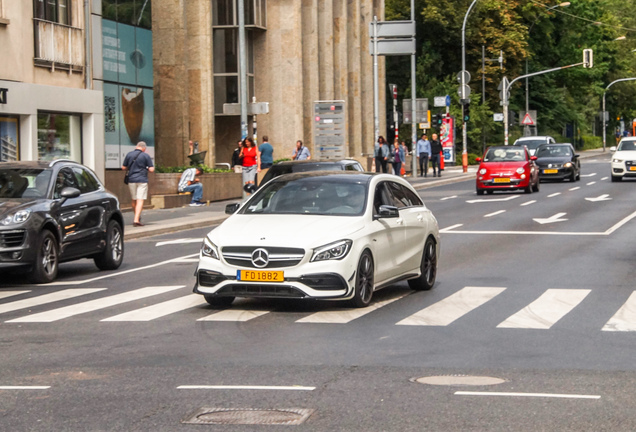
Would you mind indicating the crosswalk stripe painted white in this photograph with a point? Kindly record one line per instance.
(236, 315)
(343, 316)
(5, 294)
(545, 311)
(161, 309)
(624, 320)
(452, 307)
(46, 298)
(93, 305)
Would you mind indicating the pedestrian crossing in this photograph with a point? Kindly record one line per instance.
(541, 313)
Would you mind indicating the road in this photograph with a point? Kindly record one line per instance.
(534, 293)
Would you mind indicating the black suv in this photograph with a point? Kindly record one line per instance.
(51, 212)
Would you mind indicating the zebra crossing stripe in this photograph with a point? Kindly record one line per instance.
(452, 307)
(93, 305)
(624, 320)
(6, 294)
(161, 309)
(343, 316)
(545, 311)
(46, 298)
(238, 315)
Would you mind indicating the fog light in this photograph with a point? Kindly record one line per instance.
(523, 176)
(16, 255)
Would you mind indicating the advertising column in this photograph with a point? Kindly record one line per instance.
(447, 139)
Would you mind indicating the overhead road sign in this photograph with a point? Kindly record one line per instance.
(394, 29)
(527, 120)
(394, 47)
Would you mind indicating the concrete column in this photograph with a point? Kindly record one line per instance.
(354, 100)
(311, 68)
(326, 64)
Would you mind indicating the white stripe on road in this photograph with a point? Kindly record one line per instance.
(591, 183)
(624, 319)
(188, 260)
(448, 198)
(453, 307)
(242, 387)
(234, 315)
(46, 298)
(179, 241)
(604, 178)
(93, 305)
(451, 227)
(24, 387)
(575, 188)
(545, 311)
(344, 316)
(554, 194)
(588, 175)
(541, 395)
(5, 294)
(528, 203)
(161, 309)
(495, 213)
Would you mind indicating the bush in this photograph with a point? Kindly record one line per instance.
(590, 142)
(179, 169)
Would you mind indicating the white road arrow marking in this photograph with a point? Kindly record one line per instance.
(551, 219)
(511, 197)
(604, 197)
(588, 175)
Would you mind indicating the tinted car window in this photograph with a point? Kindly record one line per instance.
(627, 145)
(65, 178)
(381, 197)
(85, 180)
(554, 151)
(509, 154)
(24, 183)
(531, 144)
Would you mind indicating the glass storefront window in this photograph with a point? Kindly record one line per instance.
(59, 136)
(9, 139)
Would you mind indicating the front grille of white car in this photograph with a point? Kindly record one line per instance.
(278, 257)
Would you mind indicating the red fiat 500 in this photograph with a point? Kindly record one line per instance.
(507, 168)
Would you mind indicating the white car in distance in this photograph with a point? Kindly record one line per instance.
(624, 159)
(321, 235)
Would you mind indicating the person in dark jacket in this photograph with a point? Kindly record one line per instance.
(436, 150)
(138, 164)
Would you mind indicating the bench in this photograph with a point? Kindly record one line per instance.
(181, 199)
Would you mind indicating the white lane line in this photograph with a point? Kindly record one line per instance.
(179, 241)
(540, 395)
(545, 311)
(93, 305)
(451, 227)
(46, 298)
(161, 309)
(528, 203)
(554, 194)
(448, 198)
(243, 387)
(452, 307)
(588, 175)
(24, 387)
(575, 188)
(5, 294)
(234, 315)
(344, 316)
(624, 320)
(590, 183)
(604, 178)
(511, 197)
(188, 260)
(160, 264)
(495, 213)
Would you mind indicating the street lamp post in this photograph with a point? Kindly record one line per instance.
(605, 91)
(463, 83)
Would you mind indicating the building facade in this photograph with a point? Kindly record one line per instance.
(299, 52)
(49, 108)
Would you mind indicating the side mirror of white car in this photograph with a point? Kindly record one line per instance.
(613, 149)
(387, 211)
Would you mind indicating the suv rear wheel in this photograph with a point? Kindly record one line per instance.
(113, 254)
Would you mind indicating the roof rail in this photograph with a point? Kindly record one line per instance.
(53, 162)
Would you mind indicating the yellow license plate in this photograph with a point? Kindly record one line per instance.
(550, 171)
(502, 180)
(260, 276)
(632, 168)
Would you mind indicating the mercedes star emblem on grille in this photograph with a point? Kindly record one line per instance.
(260, 258)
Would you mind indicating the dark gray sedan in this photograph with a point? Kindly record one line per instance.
(558, 162)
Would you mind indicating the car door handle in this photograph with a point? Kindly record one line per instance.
(420, 218)
(399, 221)
(84, 206)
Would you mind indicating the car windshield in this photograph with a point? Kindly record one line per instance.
(627, 146)
(310, 196)
(554, 151)
(531, 144)
(510, 154)
(278, 170)
(24, 183)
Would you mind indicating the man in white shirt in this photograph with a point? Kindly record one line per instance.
(190, 182)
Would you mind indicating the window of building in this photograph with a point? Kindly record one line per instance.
(9, 139)
(57, 11)
(59, 136)
(224, 13)
(133, 12)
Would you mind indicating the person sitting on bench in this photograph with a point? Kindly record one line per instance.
(190, 182)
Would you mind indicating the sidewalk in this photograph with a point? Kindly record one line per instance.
(164, 221)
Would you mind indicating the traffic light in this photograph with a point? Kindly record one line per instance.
(466, 112)
(437, 119)
(512, 118)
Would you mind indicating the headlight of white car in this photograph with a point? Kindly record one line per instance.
(617, 160)
(520, 170)
(16, 218)
(209, 249)
(332, 251)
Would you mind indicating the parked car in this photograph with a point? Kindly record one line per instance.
(623, 163)
(319, 235)
(289, 167)
(507, 168)
(558, 162)
(533, 142)
(51, 212)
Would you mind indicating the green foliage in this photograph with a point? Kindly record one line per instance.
(179, 169)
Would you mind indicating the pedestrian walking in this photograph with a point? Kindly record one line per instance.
(236, 157)
(436, 150)
(251, 161)
(405, 152)
(381, 154)
(138, 164)
(398, 158)
(302, 152)
(190, 182)
(267, 153)
(423, 150)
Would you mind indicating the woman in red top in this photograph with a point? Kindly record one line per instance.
(251, 161)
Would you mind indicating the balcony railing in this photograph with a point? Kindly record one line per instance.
(59, 46)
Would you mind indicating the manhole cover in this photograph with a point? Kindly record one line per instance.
(248, 416)
(460, 380)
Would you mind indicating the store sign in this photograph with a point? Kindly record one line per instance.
(3, 95)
